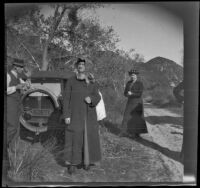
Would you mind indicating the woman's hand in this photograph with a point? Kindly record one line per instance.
(88, 100)
(130, 93)
(67, 121)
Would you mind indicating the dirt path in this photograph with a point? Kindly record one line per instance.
(166, 130)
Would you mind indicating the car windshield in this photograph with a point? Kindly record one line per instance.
(55, 88)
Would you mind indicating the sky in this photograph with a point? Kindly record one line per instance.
(149, 29)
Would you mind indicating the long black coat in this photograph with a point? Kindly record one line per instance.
(133, 121)
(76, 108)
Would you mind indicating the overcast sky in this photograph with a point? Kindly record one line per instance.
(149, 29)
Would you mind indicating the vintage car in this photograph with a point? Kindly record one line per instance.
(41, 117)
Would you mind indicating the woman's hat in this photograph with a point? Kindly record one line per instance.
(133, 71)
(79, 60)
(18, 62)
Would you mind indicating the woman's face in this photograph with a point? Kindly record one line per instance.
(133, 77)
(81, 67)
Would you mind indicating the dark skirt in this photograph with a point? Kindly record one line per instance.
(133, 121)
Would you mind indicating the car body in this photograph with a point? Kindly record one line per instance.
(42, 104)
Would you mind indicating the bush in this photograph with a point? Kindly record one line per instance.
(29, 163)
(114, 104)
(160, 95)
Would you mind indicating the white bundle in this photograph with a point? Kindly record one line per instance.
(100, 109)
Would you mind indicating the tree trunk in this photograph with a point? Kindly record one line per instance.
(56, 22)
(44, 57)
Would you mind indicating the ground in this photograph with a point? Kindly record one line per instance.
(155, 157)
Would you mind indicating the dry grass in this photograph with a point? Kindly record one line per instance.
(30, 163)
(123, 160)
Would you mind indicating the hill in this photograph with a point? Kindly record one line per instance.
(160, 76)
(168, 68)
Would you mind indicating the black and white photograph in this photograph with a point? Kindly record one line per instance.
(94, 94)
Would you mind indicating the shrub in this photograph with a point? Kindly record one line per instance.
(29, 162)
(114, 104)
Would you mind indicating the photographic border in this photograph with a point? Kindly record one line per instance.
(189, 13)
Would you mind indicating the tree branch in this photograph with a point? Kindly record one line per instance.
(32, 57)
(56, 21)
(55, 24)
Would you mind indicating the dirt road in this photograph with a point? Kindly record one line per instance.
(166, 130)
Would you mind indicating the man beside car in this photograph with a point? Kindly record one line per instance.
(15, 85)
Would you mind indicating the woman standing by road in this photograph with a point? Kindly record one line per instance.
(133, 122)
(82, 144)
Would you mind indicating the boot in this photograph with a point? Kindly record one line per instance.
(79, 166)
(71, 169)
(86, 167)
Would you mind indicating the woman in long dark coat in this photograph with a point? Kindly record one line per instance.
(133, 122)
(82, 144)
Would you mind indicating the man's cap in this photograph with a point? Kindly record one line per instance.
(133, 71)
(18, 62)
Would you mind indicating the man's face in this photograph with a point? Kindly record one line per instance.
(81, 67)
(19, 69)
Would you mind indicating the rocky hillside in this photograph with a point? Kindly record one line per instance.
(160, 76)
(170, 70)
